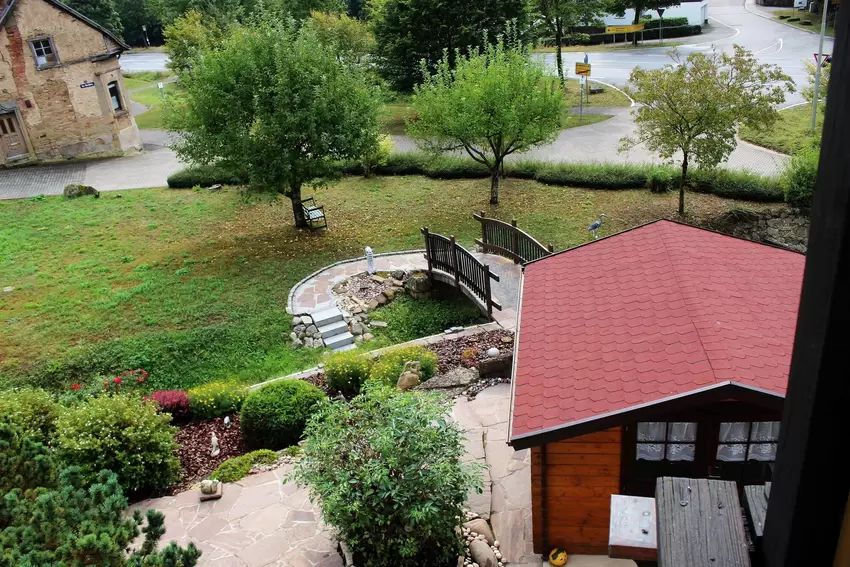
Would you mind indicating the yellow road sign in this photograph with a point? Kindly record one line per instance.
(624, 29)
(583, 69)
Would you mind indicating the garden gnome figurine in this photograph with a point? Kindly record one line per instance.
(215, 448)
(410, 376)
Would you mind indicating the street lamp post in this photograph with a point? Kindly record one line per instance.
(816, 95)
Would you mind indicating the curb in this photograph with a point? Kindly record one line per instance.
(433, 339)
(778, 21)
(289, 308)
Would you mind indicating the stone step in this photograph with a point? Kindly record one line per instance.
(335, 328)
(337, 341)
(346, 347)
(326, 317)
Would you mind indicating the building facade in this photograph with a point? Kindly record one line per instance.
(61, 90)
(695, 10)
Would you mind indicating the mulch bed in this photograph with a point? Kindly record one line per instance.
(449, 353)
(194, 446)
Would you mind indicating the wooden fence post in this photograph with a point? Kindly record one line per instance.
(455, 266)
(551, 249)
(515, 240)
(483, 228)
(426, 233)
(487, 291)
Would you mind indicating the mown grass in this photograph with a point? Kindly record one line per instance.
(193, 285)
(789, 133)
(155, 117)
(143, 79)
(814, 20)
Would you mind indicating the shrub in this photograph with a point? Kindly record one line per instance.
(34, 411)
(217, 399)
(389, 367)
(206, 175)
(655, 23)
(800, 175)
(273, 417)
(175, 402)
(735, 184)
(346, 371)
(660, 179)
(592, 176)
(71, 522)
(237, 468)
(409, 319)
(121, 434)
(386, 462)
(378, 155)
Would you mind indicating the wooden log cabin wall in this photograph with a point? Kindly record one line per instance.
(571, 486)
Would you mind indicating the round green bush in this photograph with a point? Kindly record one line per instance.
(346, 372)
(34, 411)
(800, 176)
(389, 367)
(274, 416)
(123, 434)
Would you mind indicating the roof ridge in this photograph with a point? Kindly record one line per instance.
(674, 269)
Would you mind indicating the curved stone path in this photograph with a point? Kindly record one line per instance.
(315, 292)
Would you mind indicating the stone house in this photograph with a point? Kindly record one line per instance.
(61, 90)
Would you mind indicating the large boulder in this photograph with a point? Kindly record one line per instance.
(418, 283)
(480, 526)
(496, 366)
(452, 379)
(482, 554)
(75, 190)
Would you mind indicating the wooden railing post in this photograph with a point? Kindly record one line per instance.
(514, 240)
(483, 227)
(551, 248)
(426, 233)
(487, 291)
(455, 264)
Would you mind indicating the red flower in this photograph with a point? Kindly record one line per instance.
(76, 386)
(116, 380)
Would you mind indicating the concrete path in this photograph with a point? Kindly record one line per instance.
(258, 521)
(315, 293)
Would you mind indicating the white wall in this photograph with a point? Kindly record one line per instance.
(696, 12)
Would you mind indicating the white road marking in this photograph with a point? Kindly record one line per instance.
(737, 31)
(778, 41)
(615, 88)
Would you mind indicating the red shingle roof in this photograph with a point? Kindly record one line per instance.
(658, 311)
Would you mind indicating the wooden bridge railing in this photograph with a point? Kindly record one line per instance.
(444, 254)
(509, 241)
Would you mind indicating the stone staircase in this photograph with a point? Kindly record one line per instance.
(333, 329)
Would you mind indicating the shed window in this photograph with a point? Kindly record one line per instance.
(745, 441)
(660, 440)
(115, 96)
(44, 52)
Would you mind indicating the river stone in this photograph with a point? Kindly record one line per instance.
(296, 321)
(356, 328)
(308, 342)
(306, 320)
(492, 351)
(293, 336)
(397, 274)
(389, 294)
(297, 343)
(318, 343)
(299, 329)
(312, 330)
(368, 336)
(482, 554)
(481, 527)
(379, 324)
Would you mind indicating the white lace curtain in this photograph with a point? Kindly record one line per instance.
(676, 437)
(762, 436)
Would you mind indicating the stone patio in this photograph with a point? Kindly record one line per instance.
(315, 293)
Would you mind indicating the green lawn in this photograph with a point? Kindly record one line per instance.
(814, 21)
(133, 81)
(789, 133)
(192, 286)
(151, 97)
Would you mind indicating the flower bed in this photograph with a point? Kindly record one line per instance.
(194, 445)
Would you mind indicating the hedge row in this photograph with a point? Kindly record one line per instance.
(655, 23)
(205, 176)
(669, 33)
(721, 182)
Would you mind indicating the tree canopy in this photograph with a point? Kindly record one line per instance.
(276, 103)
(564, 14)
(494, 102)
(410, 31)
(694, 106)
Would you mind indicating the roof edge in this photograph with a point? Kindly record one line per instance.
(673, 221)
(707, 394)
(85, 19)
(516, 348)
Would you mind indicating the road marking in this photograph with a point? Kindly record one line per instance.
(616, 89)
(778, 41)
(737, 31)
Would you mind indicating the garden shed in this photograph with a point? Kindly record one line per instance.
(662, 351)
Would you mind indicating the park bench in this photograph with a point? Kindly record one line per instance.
(314, 214)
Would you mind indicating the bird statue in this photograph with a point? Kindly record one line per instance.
(597, 224)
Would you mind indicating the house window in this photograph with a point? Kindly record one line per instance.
(671, 441)
(748, 441)
(44, 52)
(115, 96)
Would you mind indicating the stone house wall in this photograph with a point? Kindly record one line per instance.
(61, 119)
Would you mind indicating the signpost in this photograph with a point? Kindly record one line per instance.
(583, 72)
(660, 26)
(623, 30)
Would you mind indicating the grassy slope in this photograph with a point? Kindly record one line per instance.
(133, 81)
(789, 132)
(815, 20)
(199, 281)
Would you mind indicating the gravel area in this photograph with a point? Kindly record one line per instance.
(194, 441)
(450, 353)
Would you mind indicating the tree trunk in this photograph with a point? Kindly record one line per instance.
(682, 185)
(297, 210)
(638, 10)
(559, 39)
(495, 182)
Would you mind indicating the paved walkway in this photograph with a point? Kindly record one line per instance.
(315, 293)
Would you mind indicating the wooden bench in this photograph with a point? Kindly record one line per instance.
(314, 214)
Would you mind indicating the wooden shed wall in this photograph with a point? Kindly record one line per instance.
(581, 475)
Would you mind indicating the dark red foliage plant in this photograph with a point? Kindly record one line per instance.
(175, 402)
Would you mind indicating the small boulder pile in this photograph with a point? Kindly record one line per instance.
(363, 293)
(482, 549)
(305, 333)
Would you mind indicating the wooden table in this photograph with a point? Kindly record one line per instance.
(700, 524)
(633, 532)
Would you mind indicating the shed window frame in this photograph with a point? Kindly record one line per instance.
(35, 51)
(670, 446)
